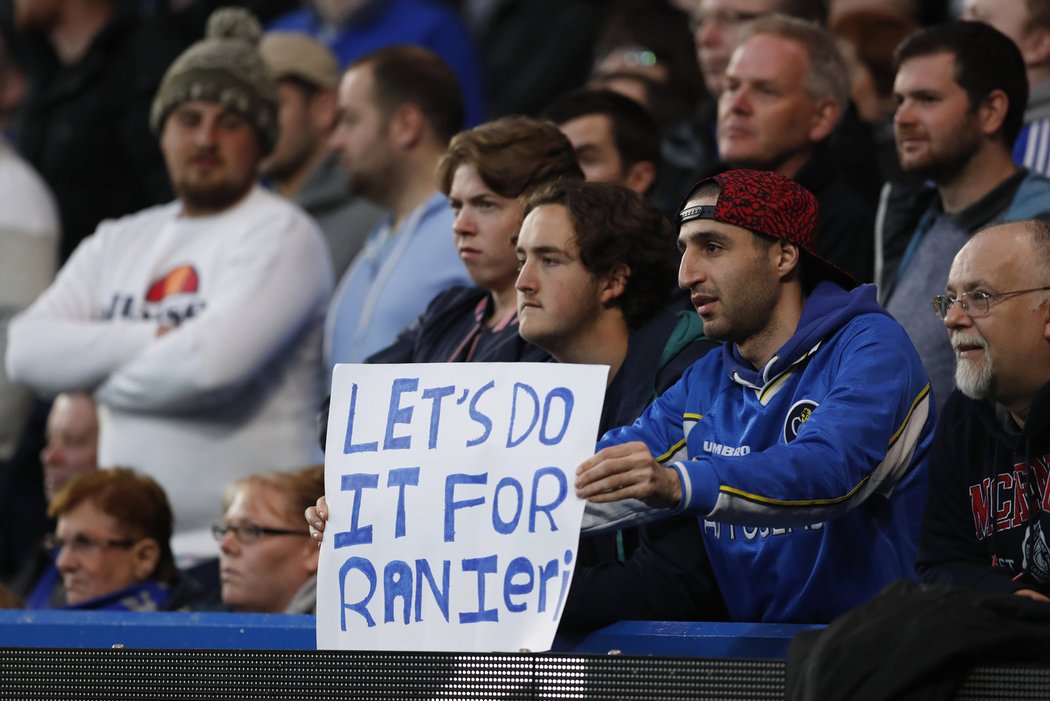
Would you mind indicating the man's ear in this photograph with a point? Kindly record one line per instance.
(825, 119)
(407, 125)
(1035, 46)
(614, 283)
(324, 107)
(992, 112)
(145, 556)
(640, 176)
(787, 257)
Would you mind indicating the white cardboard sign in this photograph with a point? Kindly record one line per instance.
(453, 521)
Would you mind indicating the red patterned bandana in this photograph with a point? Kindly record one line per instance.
(766, 203)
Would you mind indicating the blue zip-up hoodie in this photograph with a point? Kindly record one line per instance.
(809, 475)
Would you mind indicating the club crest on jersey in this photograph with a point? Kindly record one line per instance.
(797, 415)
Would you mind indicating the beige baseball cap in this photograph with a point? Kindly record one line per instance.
(297, 55)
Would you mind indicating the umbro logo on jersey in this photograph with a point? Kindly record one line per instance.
(727, 450)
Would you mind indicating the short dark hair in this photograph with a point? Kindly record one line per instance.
(634, 132)
(985, 60)
(512, 155)
(411, 74)
(614, 226)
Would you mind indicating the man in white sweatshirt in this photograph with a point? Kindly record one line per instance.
(196, 325)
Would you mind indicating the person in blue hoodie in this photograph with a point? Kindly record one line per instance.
(801, 446)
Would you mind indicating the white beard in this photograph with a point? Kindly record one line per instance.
(973, 380)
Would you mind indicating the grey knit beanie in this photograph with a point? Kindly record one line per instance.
(224, 67)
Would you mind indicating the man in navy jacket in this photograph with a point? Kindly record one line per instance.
(986, 520)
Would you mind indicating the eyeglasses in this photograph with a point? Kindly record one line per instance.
(976, 303)
(249, 532)
(81, 543)
(635, 56)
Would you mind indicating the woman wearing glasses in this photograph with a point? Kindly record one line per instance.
(267, 560)
(112, 546)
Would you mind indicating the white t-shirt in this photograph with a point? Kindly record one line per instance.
(232, 389)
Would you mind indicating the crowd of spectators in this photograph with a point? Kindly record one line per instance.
(198, 220)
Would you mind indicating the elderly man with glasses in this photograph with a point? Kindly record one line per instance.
(989, 509)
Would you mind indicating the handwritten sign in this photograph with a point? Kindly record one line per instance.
(453, 522)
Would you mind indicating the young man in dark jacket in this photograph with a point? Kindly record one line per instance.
(596, 286)
(485, 174)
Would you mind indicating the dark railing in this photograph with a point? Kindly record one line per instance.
(61, 655)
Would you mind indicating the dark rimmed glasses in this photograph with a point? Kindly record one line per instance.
(248, 533)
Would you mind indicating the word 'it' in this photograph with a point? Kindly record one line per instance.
(506, 499)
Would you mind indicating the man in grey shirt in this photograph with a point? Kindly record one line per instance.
(302, 168)
(961, 92)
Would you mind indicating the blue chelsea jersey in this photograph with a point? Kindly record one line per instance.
(809, 475)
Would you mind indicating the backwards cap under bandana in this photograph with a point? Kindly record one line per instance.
(224, 67)
(770, 204)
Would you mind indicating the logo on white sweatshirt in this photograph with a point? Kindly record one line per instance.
(181, 280)
(171, 299)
